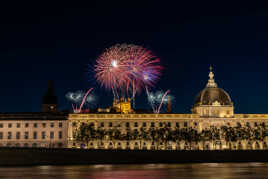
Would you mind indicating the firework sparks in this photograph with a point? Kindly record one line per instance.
(79, 98)
(127, 68)
(158, 98)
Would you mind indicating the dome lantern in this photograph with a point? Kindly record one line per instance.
(211, 82)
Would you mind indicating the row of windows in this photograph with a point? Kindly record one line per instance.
(35, 125)
(160, 124)
(18, 135)
(255, 124)
(144, 124)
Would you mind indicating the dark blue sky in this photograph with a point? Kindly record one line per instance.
(40, 42)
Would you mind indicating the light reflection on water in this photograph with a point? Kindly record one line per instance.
(147, 171)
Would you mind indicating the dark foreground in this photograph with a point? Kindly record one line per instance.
(41, 156)
(140, 171)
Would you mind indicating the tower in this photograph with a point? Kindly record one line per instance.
(169, 110)
(49, 103)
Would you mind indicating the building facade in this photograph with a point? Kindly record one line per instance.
(213, 125)
(33, 130)
(37, 129)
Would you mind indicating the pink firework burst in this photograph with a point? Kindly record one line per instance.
(127, 68)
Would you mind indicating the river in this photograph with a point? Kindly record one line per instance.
(147, 171)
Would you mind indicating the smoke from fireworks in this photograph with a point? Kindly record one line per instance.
(125, 69)
(82, 98)
(158, 98)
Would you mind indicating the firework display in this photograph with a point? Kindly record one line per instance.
(126, 69)
(158, 99)
(80, 98)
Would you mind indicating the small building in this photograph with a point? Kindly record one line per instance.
(36, 129)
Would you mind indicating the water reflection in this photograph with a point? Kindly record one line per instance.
(149, 171)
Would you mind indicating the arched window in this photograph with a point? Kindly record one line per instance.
(240, 147)
(110, 145)
(265, 145)
(257, 146)
(249, 146)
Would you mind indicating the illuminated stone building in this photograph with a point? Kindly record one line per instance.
(213, 125)
(35, 129)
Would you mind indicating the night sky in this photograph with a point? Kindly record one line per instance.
(41, 42)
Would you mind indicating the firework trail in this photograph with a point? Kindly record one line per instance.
(151, 99)
(84, 99)
(162, 100)
(158, 99)
(79, 98)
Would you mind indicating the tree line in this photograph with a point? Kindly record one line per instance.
(87, 132)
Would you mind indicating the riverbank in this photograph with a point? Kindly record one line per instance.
(43, 156)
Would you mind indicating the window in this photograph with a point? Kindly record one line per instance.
(1, 125)
(152, 124)
(177, 124)
(127, 124)
(255, 124)
(9, 125)
(110, 124)
(136, 124)
(26, 135)
(102, 124)
(195, 123)
(160, 124)
(60, 134)
(51, 124)
(9, 135)
(238, 124)
(144, 124)
(17, 135)
(43, 135)
(26, 145)
(35, 125)
(92, 124)
(51, 135)
(74, 124)
(185, 124)
(34, 145)
(1, 135)
(169, 124)
(18, 125)
(60, 124)
(44, 125)
(26, 125)
(35, 135)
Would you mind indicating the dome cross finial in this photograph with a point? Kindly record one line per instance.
(211, 83)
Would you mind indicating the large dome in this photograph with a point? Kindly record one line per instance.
(212, 95)
(213, 101)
